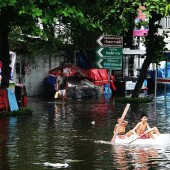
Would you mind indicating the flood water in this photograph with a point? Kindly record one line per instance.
(63, 136)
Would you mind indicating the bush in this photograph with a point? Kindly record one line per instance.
(132, 100)
(21, 111)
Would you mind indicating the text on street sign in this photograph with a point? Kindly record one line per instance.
(114, 64)
(107, 52)
(110, 40)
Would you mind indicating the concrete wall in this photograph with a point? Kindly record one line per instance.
(32, 71)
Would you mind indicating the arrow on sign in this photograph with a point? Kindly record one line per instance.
(99, 41)
(99, 52)
(107, 52)
(110, 40)
(99, 63)
(115, 64)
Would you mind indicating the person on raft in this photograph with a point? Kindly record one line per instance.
(143, 130)
(121, 124)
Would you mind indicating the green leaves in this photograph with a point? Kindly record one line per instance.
(36, 12)
(71, 12)
(96, 17)
(4, 3)
(31, 10)
(167, 11)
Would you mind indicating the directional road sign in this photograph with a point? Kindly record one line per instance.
(110, 40)
(109, 57)
(114, 64)
(107, 52)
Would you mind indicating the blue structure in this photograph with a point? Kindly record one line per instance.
(82, 61)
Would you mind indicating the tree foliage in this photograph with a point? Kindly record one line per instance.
(38, 19)
(154, 43)
(77, 24)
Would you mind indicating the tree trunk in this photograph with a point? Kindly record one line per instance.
(141, 78)
(128, 36)
(5, 58)
(150, 48)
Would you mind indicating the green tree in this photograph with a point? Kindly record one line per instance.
(26, 17)
(154, 43)
(83, 22)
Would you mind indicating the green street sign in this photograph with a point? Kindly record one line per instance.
(109, 57)
(110, 63)
(107, 52)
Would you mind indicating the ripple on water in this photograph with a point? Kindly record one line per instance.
(141, 157)
(56, 132)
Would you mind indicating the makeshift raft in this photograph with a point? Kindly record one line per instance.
(162, 139)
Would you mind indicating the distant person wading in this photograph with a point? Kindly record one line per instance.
(61, 86)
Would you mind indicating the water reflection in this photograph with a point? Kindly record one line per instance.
(3, 143)
(138, 157)
(142, 157)
(120, 155)
(58, 132)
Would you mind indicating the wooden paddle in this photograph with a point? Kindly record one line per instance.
(122, 118)
(147, 131)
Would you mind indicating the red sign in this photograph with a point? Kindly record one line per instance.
(164, 81)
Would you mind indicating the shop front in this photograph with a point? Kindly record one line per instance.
(126, 78)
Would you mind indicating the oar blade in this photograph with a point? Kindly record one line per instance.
(122, 118)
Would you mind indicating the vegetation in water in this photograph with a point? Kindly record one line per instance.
(21, 111)
(132, 100)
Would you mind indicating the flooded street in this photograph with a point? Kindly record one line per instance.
(73, 135)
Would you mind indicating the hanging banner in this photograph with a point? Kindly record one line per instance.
(141, 23)
(12, 64)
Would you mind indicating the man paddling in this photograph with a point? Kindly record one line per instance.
(143, 130)
(122, 128)
(122, 118)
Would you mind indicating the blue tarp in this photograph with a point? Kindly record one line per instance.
(82, 61)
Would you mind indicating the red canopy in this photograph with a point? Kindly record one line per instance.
(100, 77)
(69, 70)
(96, 76)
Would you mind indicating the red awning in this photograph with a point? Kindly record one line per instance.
(69, 70)
(100, 77)
(96, 76)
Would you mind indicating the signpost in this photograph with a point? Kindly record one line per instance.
(110, 40)
(109, 54)
(109, 57)
(115, 64)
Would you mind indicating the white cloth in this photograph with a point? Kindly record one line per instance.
(62, 92)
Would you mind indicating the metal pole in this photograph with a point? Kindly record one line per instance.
(155, 82)
(109, 73)
(166, 75)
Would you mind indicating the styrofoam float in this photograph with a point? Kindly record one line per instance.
(162, 139)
